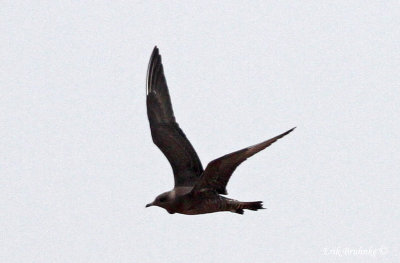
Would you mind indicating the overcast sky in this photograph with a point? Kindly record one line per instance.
(77, 164)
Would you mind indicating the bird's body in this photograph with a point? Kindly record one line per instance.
(184, 200)
(196, 191)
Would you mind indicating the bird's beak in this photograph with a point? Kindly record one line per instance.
(151, 204)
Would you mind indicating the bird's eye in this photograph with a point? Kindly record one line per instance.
(162, 199)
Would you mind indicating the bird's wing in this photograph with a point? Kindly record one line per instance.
(165, 131)
(217, 173)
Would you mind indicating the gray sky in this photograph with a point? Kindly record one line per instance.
(77, 164)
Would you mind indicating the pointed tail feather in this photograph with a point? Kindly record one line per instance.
(238, 207)
(252, 205)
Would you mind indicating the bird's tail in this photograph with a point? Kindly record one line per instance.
(248, 205)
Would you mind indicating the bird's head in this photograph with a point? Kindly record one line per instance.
(164, 200)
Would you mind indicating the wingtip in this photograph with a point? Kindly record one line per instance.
(289, 131)
(155, 49)
(284, 134)
(154, 56)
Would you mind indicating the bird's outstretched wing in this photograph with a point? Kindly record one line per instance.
(165, 131)
(217, 173)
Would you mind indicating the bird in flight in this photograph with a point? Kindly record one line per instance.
(196, 191)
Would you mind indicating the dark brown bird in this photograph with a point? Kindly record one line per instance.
(196, 191)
